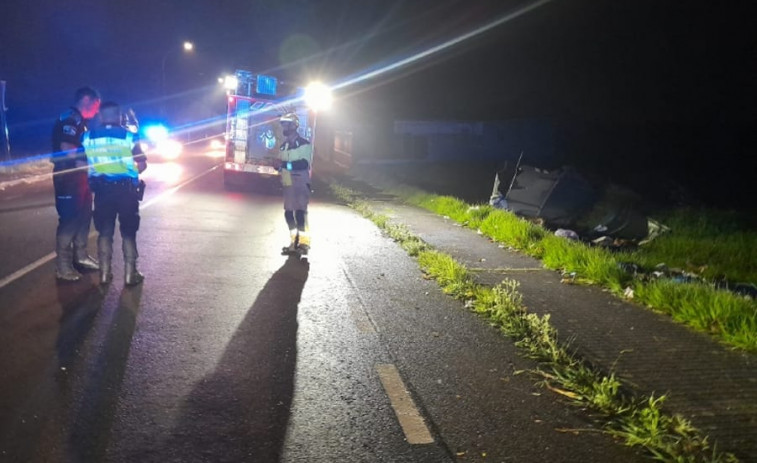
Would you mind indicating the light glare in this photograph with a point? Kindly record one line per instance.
(318, 96)
(231, 83)
(156, 133)
(169, 149)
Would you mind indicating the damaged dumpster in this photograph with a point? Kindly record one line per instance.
(564, 198)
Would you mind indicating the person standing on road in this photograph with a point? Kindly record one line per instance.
(73, 198)
(115, 161)
(296, 156)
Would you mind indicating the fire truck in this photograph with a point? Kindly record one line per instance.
(253, 133)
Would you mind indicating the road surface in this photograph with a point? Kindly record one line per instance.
(230, 352)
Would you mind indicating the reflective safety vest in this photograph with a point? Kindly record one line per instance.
(299, 149)
(109, 153)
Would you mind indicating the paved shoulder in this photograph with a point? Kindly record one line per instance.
(713, 386)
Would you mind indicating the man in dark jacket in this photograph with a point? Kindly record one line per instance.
(73, 198)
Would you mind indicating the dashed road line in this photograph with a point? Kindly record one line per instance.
(411, 421)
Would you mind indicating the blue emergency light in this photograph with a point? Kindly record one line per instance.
(266, 85)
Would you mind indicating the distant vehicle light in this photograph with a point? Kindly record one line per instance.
(216, 145)
(318, 96)
(169, 149)
(156, 133)
(168, 173)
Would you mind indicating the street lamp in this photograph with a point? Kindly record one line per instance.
(188, 47)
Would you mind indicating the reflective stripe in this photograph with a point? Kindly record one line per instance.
(110, 156)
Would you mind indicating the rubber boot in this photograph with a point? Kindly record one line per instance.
(132, 276)
(293, 240)
(64, 268)
(84, 260)
(105, 255)
(304, 242)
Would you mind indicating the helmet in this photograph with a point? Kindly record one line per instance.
(290, 117)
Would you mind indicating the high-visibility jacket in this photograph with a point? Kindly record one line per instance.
(110, 151)
(294, 153)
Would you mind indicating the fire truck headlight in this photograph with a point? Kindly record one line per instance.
(230, 83)
(318, 96)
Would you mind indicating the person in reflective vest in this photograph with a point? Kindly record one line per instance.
(296, 156)
(115, 161)
(73, 198)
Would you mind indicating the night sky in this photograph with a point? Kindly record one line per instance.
(632, 85)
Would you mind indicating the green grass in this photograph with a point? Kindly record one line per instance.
(637, 421)
(713, 244)
(731, 318)
(723, 314)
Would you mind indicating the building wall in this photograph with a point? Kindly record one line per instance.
(474, 141)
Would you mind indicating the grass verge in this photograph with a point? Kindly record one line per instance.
(730, 317)
(637, 421)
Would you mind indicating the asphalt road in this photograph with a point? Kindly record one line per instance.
(230, 352)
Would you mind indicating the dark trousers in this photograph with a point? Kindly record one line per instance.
(73, 201)
(116, 200)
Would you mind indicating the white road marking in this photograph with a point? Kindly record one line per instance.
(407, 413)
(43, 260)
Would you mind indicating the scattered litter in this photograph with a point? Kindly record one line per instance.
(629, 267)
(745, 289)
(628, 293)
(498, 202)
(654, 229)
(603, 241)
(565, 233)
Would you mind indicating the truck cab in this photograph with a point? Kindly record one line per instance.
(253, 133)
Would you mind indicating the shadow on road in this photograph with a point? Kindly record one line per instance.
(67, 416)
(241, 411)
(90, 431)
(77, 317)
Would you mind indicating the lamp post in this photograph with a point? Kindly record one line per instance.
(187, 47)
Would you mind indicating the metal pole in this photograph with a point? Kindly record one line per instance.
(5, 146)
(515, 174)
